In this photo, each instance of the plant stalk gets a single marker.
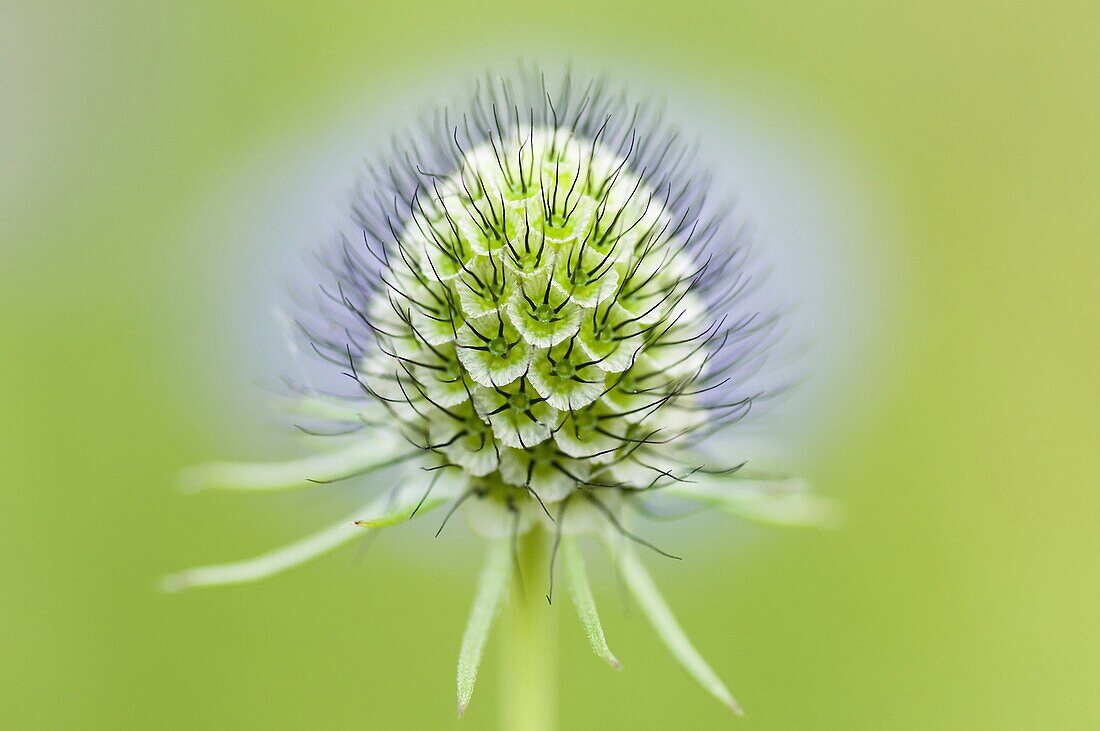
(529, 683)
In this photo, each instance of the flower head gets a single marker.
(542, 319)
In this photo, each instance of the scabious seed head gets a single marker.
(545, 302)
(540, 311)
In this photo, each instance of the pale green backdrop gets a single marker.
(963, 592)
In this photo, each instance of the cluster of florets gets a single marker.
(535, 315)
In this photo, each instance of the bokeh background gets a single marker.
(140, 144)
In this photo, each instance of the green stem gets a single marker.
(528, 685)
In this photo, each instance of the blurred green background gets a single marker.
(963, 592)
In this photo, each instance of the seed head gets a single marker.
(544, 315)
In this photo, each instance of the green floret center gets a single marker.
(585, 419)
(544, 313)
(528, 262)
(544, 454)
(519, 401)
(564, 369)
(499, 347)
(475, 432)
